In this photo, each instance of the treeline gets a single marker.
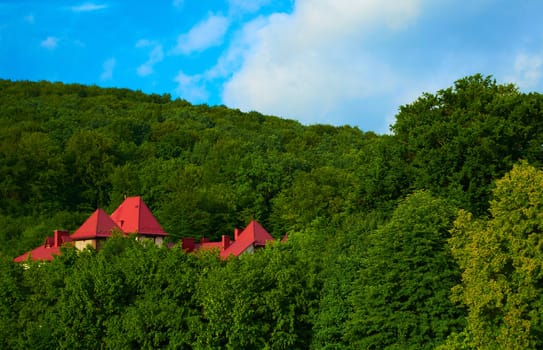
(428, 237)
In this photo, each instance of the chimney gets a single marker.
(236, 234)
(225, 242)
(49, 242)
(58, 237)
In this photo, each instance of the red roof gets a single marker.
(40, 253)
(99, 224)
(208, 246)
(133, 216)
(253, 235)
(47, 251)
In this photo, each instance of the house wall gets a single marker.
(80, 245)
(95, 243)
(250, 249)
(98, 243)
(158, 240)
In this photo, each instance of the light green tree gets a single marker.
(502, 262)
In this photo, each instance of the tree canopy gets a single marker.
(428, 237)
(502, 264)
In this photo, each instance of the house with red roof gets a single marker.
(133, 217)
(253, 237)
(49, 249)
(94, 231)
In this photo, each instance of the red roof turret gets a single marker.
(253, 235)
(133, 216)
(99, 224)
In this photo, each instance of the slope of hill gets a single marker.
(371, 222)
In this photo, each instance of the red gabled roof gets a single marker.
(40, 253)
(254, 234)
(133, 216)
(99, 224)
(208, 246)
(47, 251)
(189, 244)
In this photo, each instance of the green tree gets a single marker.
(323, 193)
(256, 301)
(336, 251)
(461, 139)
(401, 296)
(32, 170)
(12, 299)
(42, 285)
(160, 312)
(90, 163)
(382, 175)
(502, 264)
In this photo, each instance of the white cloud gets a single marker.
(30, 18)
(144, 43)
(191, 87)
(88, 7)
(155, 56)
(528, 69)
(312, 64)
(49, 43)
(203, 35)
(247, 6)
(108, 67)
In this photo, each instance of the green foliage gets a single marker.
(401, 295)
(502, 264)
(462, 138)
(127, 295)
(259, 301)
(88, 155)
(336, 252)
(12, 298)
(366, 265)
(383, 175)
(202, 169)
(324, 192)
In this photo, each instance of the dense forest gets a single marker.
(430, 237)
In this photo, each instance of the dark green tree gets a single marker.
(259, 300)
(401, 296)
(461, 139)
(336, 252)
(90, 163)
(12, 299)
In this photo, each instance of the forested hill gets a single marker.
(393, 239)
(69, 149)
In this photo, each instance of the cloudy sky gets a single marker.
(317, 61)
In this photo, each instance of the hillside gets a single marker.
(69, 149)
(382, 228)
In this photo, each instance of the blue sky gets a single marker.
(317, 61)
